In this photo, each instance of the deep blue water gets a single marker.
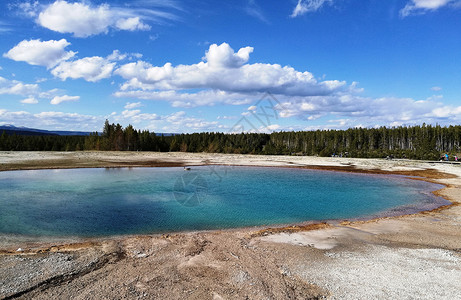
(101, 202)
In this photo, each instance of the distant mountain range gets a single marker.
(11, 129)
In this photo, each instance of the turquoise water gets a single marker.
(102, 202)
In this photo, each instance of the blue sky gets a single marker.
(193, 66)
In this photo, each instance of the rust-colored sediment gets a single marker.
(424, 173)
(74, 164)
(290, 229)
(55, 248)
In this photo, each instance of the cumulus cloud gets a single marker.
(30, 100)
(82, 19)
(223, 56)
(59, 99)
(423, 6)
(52, 54)
(225, 76)
(131, 24)
(14, 87)
(223, 70)
(305, 6)
(89, 68)
(35, 52)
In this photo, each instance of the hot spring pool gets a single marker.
(115, 201)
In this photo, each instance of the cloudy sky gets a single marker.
(207, 65)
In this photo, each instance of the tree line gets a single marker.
(415, 142)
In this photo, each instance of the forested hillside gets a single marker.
(417, 142)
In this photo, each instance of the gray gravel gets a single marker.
(20, 273)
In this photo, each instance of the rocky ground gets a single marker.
(408, 257)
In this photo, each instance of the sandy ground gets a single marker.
(407, 257)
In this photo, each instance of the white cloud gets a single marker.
(202, 98)
(423, 6)
(135, 116)
(28, 8)
(226, 117)
(30, 100)
(273, 127)
(223, 56)
(130, 113)
(83, 19)
(175, 122)
(117, 55)
(36, 52)
(89, 68)
(31, 91)
(59, 99)
(52, 55)
(436, 88)
(10, 116)
(50, 93)
(92, 68)
(52, 120)
(447, 112)
(14, 87)
(131, 105)
(77, 18)
(369, 111)
(305, 6)
(131, 24)
(179, 121)
(225, 71)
